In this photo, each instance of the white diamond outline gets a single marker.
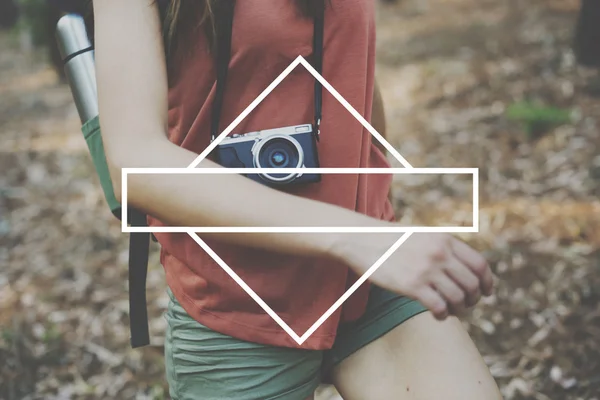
(192, 231)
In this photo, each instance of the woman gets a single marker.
(394, 338)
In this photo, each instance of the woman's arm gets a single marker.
(438, 270)
(132, 89)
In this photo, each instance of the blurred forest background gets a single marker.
(492, 84)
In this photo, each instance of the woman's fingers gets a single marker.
(476, 263)
(433, 301)
(465, 279)
(453, 295)
(445, 275)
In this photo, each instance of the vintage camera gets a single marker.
(288, 147)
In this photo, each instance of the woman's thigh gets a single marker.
(204, 364)
(421, 359)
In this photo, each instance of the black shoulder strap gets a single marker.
(224, 13)
(139, 247)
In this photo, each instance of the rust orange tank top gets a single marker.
(267, 37)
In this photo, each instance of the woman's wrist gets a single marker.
(345, 247)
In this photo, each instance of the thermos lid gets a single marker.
(72, 35)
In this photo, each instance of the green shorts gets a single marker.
(203, 364)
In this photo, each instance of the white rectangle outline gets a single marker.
(237, 229)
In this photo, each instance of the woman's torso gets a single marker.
(267, 37)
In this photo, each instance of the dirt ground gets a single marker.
(453, 72)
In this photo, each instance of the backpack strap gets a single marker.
(139, 248)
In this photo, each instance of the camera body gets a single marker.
(287, 147)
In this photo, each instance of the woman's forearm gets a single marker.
(229, 200)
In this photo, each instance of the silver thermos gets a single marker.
(78, 57)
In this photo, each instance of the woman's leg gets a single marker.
(421, 358)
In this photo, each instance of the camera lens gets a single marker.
(279, 152)
(278, 158)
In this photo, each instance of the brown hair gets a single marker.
(182, 17)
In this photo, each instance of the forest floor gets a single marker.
(480, 84)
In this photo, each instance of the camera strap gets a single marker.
(224, 34)
(224, 12)
(319, 28)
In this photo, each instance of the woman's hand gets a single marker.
(438, 270)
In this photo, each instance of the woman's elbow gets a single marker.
(120, 156)
(116, 161)
(114, 170)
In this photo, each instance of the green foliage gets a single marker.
(51, 334)
(157, 392)
(7, 335)
(537, 119)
